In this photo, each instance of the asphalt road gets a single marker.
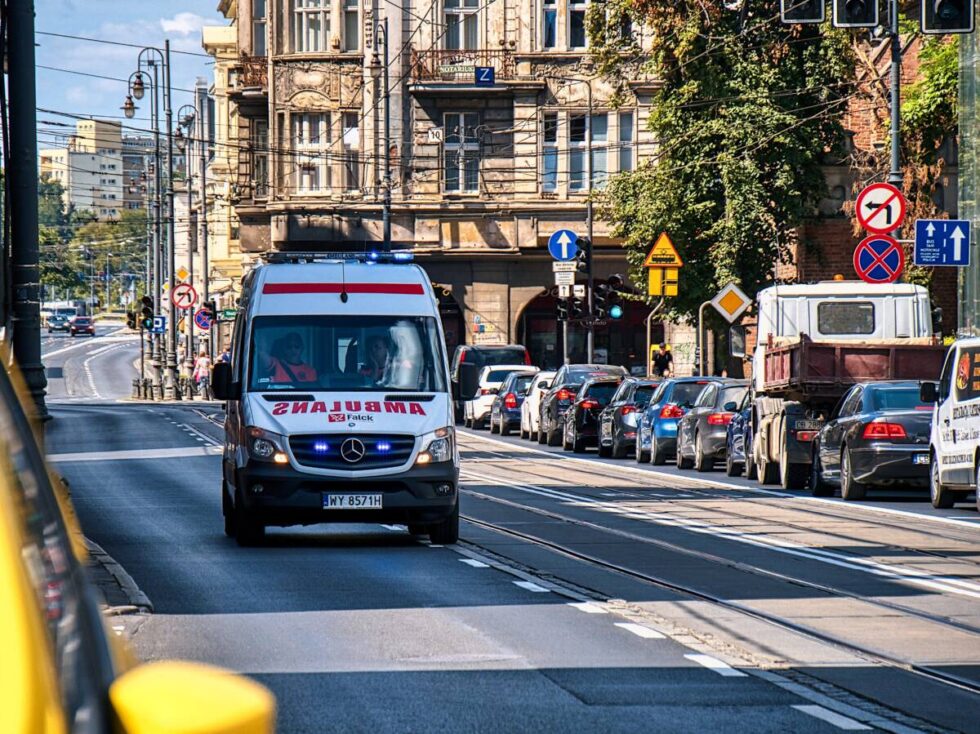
(586, 595)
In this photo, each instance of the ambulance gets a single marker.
(338, 403)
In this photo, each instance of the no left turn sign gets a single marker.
(184, 296)
(880, 208)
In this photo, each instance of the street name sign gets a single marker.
(880, 208)
(562, 245)
(229, 313)
(879, 259)
(564, 266)
(663, 265)
(731, 302)
(942, 242)
(203, 319)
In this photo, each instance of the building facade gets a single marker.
(90, 168)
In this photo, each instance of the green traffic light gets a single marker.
(616, 312)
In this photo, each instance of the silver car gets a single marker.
(702, 433)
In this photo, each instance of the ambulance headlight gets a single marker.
(266, 446)
(437, 446)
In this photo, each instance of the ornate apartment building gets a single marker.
(483, 165)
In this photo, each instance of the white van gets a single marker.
(338, 400)
(955, 439)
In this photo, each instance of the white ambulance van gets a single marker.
(955, 439)
(338, 399)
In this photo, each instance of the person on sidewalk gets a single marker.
(202, 374)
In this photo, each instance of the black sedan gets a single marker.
(582, 419)
(570, 377)
(702, 434)
(505, 411)
(878, 435)
(617, 423)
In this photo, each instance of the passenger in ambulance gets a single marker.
(377, 358)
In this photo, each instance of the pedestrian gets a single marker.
(225, 356)
(202, 374)
(663, 362)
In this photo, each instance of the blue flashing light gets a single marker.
(383, 447)
(321, 447)
(616, 312)
(403, 256)
(373, 256)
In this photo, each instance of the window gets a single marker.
(352, 26)
(311, 25)
(549, 24)
(311, 141)
(461, 153)
(461, 24)
(258, 28)
(577, 132)
(599, 166)
(550, 152)
(260, 158)
(625, 141)
(856, 317)
(576, 24)
(352, 145)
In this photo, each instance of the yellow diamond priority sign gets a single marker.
(731, 302)
(182, 273)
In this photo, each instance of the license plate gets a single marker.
(352, 502)
(920, 459)
(807, 425)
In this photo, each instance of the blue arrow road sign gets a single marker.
(159, 325)
(941, 242)
(562, 245)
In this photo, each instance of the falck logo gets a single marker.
(352, 450)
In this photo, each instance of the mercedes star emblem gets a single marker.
(352, 450)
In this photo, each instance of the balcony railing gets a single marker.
(252, 73)
(438, 65)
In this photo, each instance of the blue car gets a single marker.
(739, 459)
(656, 435)
(505, 411)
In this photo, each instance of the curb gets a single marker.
(134, 595)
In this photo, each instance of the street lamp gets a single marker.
(380, 67)
(129, 107)
(137, 85)
(185, 118)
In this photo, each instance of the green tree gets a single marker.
(62, 271)
(120, 243)
(748, 112)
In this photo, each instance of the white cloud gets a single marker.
(183, 24)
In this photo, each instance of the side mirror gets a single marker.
(186, 698)
(222, 384)
(731, 407)
(928, 392)
(543, 385)
(937, 320)
(469, 380)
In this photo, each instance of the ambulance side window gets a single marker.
(947, 375)
(238, 339)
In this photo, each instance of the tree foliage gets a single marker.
(748, 112)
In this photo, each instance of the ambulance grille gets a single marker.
(326, 450)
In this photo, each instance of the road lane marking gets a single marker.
(640, 631)
(390, 527)
(587, 607)
(716, 665)
(890, 571)
(531, 586)
(654, 473)
(140, 454)
(88, 343)
(832, 718)
(474, 563)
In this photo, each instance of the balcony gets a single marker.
(458, 67)
(250, 77)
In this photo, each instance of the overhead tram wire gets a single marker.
(119, 43)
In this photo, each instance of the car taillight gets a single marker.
(564, 394)
(510, 400)
(671, 411)
(884, 430)
(527, 357)
(806, 435)
(589, 403)
(627, 409)
(720, 419)
(488, 391)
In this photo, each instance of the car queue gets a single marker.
(889, 434)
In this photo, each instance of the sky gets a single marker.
(139, 22)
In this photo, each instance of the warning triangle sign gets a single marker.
(663, 254)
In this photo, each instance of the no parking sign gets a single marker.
(879, 259)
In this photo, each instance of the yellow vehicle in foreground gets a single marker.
(61, 670)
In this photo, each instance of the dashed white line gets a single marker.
(531, 586)
(715, 665)
(474, 563)
(640, 631)
(392, 527)
(587, 607)
(832, 718)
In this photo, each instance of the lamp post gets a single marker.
(379, 67)
(107, 256)
(185, 119)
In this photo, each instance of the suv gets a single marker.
(562, 392)
(484, 355)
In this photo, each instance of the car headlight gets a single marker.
(266, 446)
(437, 446)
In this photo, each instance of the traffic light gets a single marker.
(801, 11)
(947, 16)
(577, 308)
(600, 297)
(855, 13)
(562, 309)
(210, 309)
(131, 319)
(614, 299)
(147, 312)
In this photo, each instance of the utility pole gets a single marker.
(895, 175)
(590, 334)
(205, 262)
(24, 270)
(379, 66)
(170, 391)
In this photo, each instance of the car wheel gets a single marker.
(553, 437)
(768, 472)
(566, 442)
(702, 462)
(605, 451)
(578, 444)
(818, 487)
(479, 425)
(446, 532)
(617, 450)
(494, 425)
(658, 454)
(850, 488)
(681, 461)
(521, 432)
(639, 454)
(732, 468)
(751, 472)
(227, 510)
(941, 498)
(502, 427)
(249, 530)
(793, 476)
(541, 437)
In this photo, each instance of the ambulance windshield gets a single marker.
(365, 353)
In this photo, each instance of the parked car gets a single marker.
(477, 411)
(703, 432)
(531, 407)
(738, 460)
(617, 424)
(561, 394)
(484, 355)
(58, 322)
(81, 325)
(656, 435)
(64, 669)
(581, 424)
(878, 435)
(505, 411)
